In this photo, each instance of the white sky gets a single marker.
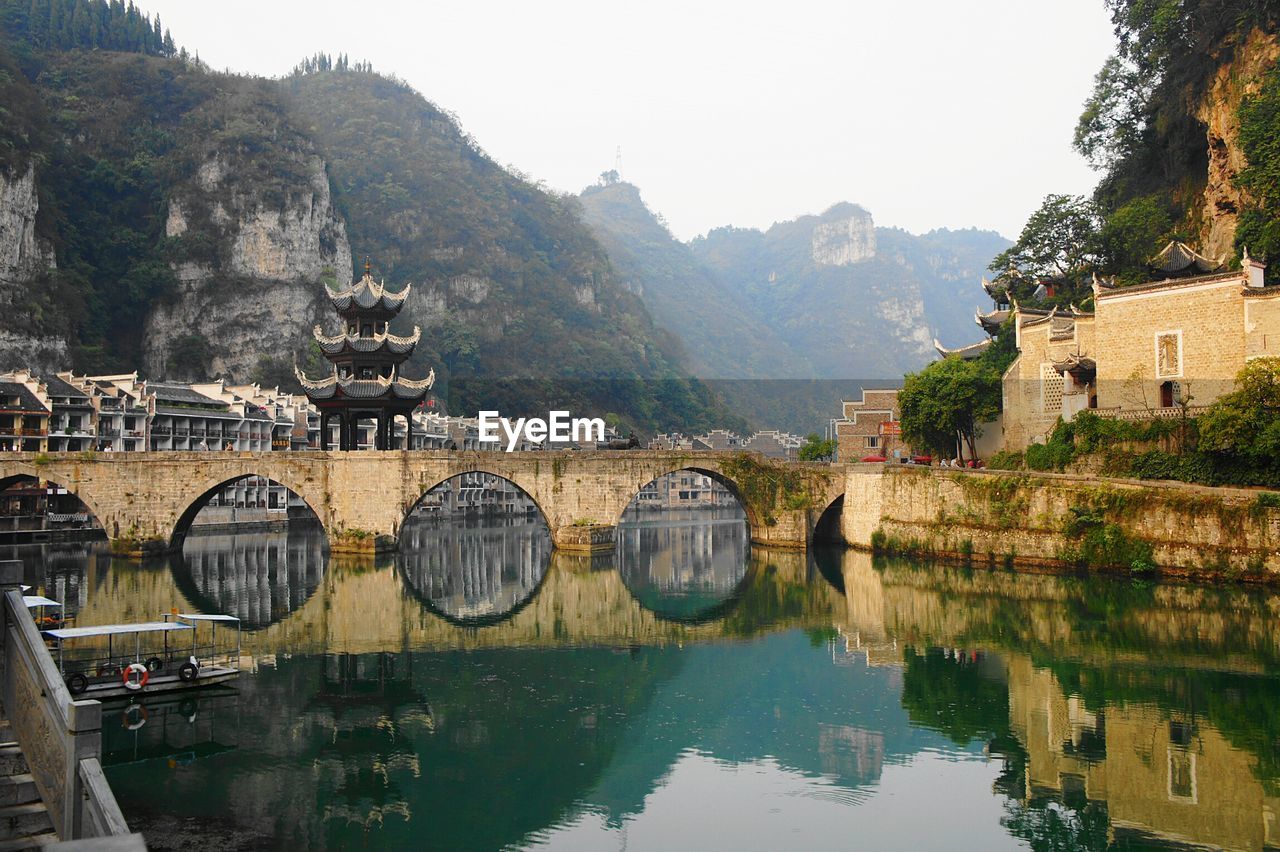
(929, 113)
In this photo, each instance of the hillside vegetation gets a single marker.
(188, 222)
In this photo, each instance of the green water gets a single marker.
(478, 691)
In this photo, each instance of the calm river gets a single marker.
(478, 691)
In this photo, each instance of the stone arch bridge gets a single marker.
(146, 501)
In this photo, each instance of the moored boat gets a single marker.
(111, 661)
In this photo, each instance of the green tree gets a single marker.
(1259, 224)
(948, 401)
(1245, 424)
(1059, 241)
(816, 448)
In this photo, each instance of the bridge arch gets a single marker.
(528, 489)
(195, 499)
(11, 473)
(754, 521)
(828, 528)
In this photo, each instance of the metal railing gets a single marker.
(61, 739)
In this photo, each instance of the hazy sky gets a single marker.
(929, 113)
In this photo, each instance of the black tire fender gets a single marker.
(188, 671)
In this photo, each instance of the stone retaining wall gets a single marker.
(1020, 518)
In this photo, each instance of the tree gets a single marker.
(815, 448)
(1245, 424)
(1060, 240)
(944, 404)
(1115, 116)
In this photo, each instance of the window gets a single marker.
(1051, 385)
(873, 442)
(1168, 346)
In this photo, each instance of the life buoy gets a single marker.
(132, 721)
(135, 676)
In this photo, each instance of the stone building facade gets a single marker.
(1150, 350)
(870, 427)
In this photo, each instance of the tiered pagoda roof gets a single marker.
(390, 387)
(368, 296)
(991, 321)
(396, 348)
(366, 358)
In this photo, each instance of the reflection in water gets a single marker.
(259, 577)
(684, 563)
(1015, 710)
(474, 570)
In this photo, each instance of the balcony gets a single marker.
(37, 432)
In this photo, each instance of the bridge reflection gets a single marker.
(684, 564)
(259, 577)
(474, 571)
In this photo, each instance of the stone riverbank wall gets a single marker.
(1008, 518)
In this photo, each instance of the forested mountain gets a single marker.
(159, 216)
(820, 297)
(723, 338)
(786, 322)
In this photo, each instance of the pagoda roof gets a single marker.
(1075, 361)
(991, 320)
(368, 295)
(381, 388)
(385, 343)
(1178, 257)
(968, 353)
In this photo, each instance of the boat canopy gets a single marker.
(199, 616)
(38, 600)
(117, 629)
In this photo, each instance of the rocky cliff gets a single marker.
(25, 258)
(264, 285)
(858, 302)
(1219, 111)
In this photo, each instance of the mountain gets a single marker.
(787, 322)
(159, 216)
(859, 302)
(723, 339)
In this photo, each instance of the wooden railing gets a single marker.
(61, 739)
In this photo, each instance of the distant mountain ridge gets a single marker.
(827, 296)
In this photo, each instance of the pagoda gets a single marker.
(366, 383)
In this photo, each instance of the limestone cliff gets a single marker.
(1219, 112)
(856, 301)
(843, 241)
(24, 259)
(257, 295)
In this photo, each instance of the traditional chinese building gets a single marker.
(1161, 348)
(366, 358)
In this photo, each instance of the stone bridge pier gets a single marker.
(146, 501)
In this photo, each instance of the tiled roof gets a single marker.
(27, 401)
(57, 387)
(182, 395)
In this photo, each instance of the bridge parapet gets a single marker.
(146, 501)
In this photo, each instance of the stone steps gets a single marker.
(24, 819)
(18, 790)
(23, 822)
